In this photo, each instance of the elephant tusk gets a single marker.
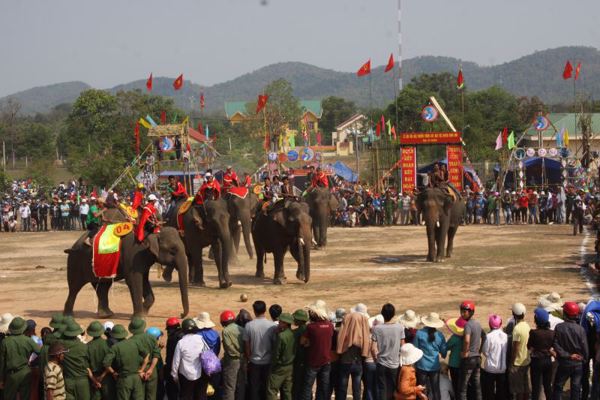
(437, 223)
(239, 223)
(302, 241)
(314, 242)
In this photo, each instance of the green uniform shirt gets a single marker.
(300, 358)
(233, 342)
(48, 340)
(285, 349)
(97, 350)
(76, 359)
(147, 345)
(14, 354)
(125, 357)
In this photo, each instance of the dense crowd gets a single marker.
(310, 350)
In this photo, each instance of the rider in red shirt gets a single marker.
(149, 220)
(176, 189)
(138, 197)
(210, 189)
(247, 180)
(230, 179)
(319, 179)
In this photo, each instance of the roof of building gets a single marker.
(568, 121)
(350, 121)
(235, 107)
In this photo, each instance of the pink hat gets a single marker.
(495, 321)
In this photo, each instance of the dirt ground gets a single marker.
(495, 266)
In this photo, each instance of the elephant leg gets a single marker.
(102, 289)
(147, 293)
(136, 284)
(441, 234)
(451, 232)
(431, 240)
(235, 234)
(279, 278)
(317, 235)
(222, 266)
(74, 288)
(260, 259)
(196, 275)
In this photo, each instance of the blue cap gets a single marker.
(154, 332)
(541, 316)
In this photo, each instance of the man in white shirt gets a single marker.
(84, 209)
(25, 213)
(493, 376)
(187, 368)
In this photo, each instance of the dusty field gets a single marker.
(495, 266)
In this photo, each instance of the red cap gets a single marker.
(173, 321)
(227, 316)
(571, 309)
(468, 305)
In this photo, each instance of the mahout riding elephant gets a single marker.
(199, 232)
(442, 214)
(321, 203)
(241, 210)
(282, 228)
(165, 247)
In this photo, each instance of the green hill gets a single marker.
(43, 98)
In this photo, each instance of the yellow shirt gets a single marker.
(521, 335)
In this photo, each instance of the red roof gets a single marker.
(197, 136)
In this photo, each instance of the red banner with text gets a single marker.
(454, 155)
(408, 157)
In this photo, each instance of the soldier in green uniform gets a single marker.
(97, 349)
(15, 351)
(126, 363)
(57, 325)
(282, 362)
(300, 320)
(76, 366)
(149, 346)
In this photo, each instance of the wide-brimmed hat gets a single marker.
(456, 326)
(409, 354)
(203, 321)
(432, 321)
(5, 321)
(287, 318)
(17, 326)
(550, 302)
(118, 332)
(409, 319)
(72, 329)
(57, 320)
(95, 329)
(300, 315)
(136, 326)
(319, 308)
(376, 320)
(360, 308)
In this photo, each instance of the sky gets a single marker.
(109, 42)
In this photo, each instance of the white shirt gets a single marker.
(494, 350)
(84, 209)
(186, 359)
(25, 211)
(554, 321)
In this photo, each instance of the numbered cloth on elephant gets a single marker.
(107, 249)
(185, 207)
(239, 191)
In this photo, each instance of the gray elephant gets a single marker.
(322, 204)
(135, 261)
(282, 228)
(241, 211)
(198, 233)
(442, 214)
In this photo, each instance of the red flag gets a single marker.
(267, 144)
(178, 83)
(149, 83)
(201, 101)
(136, 132)
(394, 131)
(382, 122)
(390, 64)
(568, 72)
(577, 70)
(378, 130)
(262, 102)
(460, 80)
(505, 136)
(200, 127)
(163, 117)
(365, 69)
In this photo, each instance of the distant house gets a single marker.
(569, 122)
(237, 112)
(343, 138)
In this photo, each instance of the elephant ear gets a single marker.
(448, 202)
(152, 243)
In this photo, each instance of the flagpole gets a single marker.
(396, 95)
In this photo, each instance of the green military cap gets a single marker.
(95, 329)
(287, 318)
(188, 325)
(300, 315)
(67, 319)
(118, 332)
(17, 326)
(57, 319)
(137, 326)
(72, 329)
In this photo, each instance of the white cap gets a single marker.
(543, 193)
(535, 192)
(152, 197)
(109, 325)
(207, 175)
(518, 309)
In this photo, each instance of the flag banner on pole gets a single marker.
(577, 70)
(460, 80)
(150, 120)
(408, 163)
(144, 123)
(559, 137)
(207, 131)
(511, 140)
(365, 69)
(568, 71)
(389, 127)
(378, 130)
(499, 142)
(454, 155)
(163, 117)
(565, 138)
(201, 101)
(261, 102)
(394, 131)
(504, 136)
(390, 64)
(149, 83)
(200, 128)
(178, 83)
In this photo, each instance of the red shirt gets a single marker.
(179, 191)
(213, 185)
(138, 199)
(248, 181)
(320, 179)
(229, 179)
(148, 214)
(523, 201)
(319, 335)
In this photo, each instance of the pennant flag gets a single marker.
(144, 123)
(262, 102)
(174, 120)
(394, 131)
(163, 117)
(178, 83)
(150, 120)
(568, 72)
(504, 135)
(207, 132)
(559, 137)
(136, 133)
(565, 138)
(390, 64)
(511, 140)
(460, 80)
(201, 101)
(185, 121)
(499, 142)
(389, 128)
(577, 70)
(200, 128)
(149, 83)
(378, 130)
(365, 69)
(382, 122)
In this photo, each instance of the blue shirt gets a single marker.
(431, 350)
(212, 339)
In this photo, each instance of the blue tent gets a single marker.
(342, 170)
(533, 172)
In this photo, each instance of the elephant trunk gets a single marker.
(182, 268)
(246, 227)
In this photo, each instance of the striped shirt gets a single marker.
(53, 380)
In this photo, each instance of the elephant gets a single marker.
(442, 215)
(202, 232)
(282, 228)
(165, 247)
(321, 203)
(241, 212)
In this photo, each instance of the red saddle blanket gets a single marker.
(239, 191)
(106, 249)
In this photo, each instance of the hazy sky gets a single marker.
(107, 42)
